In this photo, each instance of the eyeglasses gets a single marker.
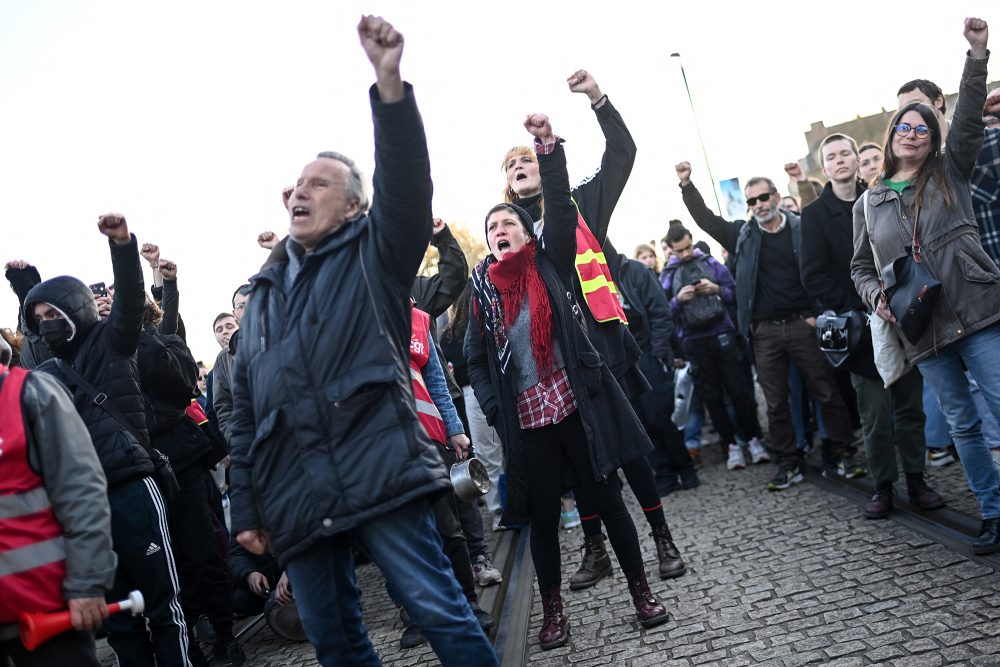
(903, 129)
(240, 306)
(760, 198)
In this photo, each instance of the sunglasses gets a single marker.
(903, 129)
(760, 198)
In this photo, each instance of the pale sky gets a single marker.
(189, 117)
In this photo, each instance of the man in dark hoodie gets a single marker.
(64, 313)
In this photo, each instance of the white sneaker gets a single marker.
(757, 452)
(736, 459)
(484, 571)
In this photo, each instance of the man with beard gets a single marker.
(775, 311)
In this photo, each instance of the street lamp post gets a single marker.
(697, 127)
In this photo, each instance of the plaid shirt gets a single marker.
(985, 187)
(548, 402)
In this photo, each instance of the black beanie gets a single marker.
(526, 221)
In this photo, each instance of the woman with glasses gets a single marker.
(562, 416)
(920, 205)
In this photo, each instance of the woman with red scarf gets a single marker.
(559, 410)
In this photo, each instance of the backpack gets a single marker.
(704, 310)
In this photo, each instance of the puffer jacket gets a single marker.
(324, 432)
(106, 357)
(614, 433)
(970, 296)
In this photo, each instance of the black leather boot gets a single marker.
(671, 563)
(989, 538)
(921, 494)
(596, 564)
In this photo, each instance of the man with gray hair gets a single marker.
(326, 445)
(775, 312)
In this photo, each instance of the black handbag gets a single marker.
(911, 289)
(163, 472)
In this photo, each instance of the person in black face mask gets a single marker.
(64, 313)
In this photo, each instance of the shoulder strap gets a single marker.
(100, 399)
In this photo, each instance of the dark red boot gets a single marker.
(555, 629)
(649, 611)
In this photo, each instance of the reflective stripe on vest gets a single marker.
(32, 550)
(599, 290)
(420, 342)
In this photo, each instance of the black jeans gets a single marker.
(547, 450)
(655, 409)
(720, 370)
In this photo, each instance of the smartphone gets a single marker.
(99, 289)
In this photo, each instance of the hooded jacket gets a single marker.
(104, 353)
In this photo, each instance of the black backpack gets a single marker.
(704, 310)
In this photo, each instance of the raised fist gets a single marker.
(683, 172)
(977, 33)
(538, 125)
(267, 240)
(167, 269)
(382, 43)
(794, 171)
(581, 81)
(992, 106)
(16, 264)
(151, 253)
(113, 226)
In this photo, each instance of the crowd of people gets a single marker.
(347, 386)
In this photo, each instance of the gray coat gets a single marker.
(970, 295)
(61, 451)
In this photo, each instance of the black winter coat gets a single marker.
(435, 294)
(648, 310)
(106, 357)
(324, 433)
(614, 433)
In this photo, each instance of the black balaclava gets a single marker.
(58, 335)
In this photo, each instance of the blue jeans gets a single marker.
(936, 430)
(405, 545)
(991, 427)
(796, 388)
(695, 422)
(946, 377)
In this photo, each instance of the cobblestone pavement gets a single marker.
(790, 578)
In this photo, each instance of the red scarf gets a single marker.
(514, 276)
